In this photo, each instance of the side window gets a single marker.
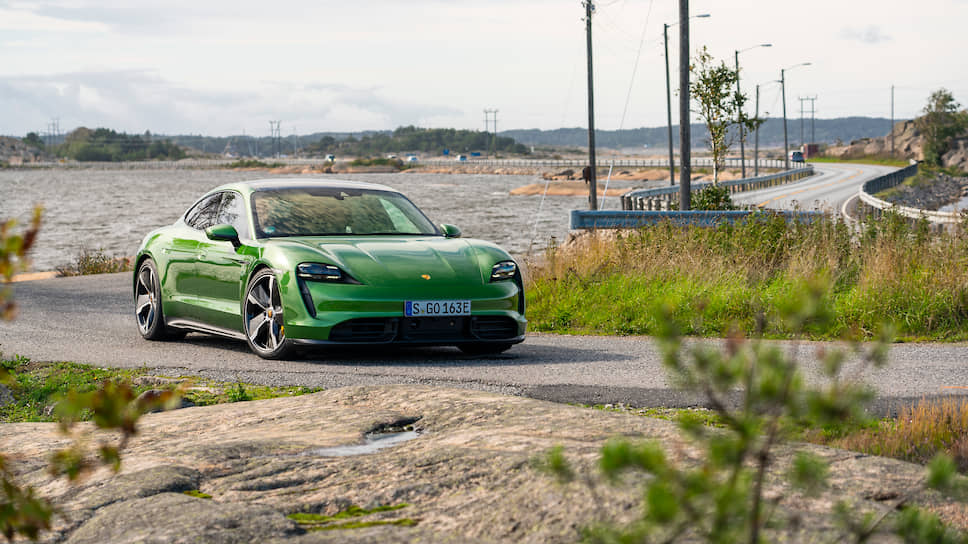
(233, 213)
(203, 214)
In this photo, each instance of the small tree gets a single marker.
(940, 123)
(34, 140)
(720, 106)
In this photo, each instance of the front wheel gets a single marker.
(265, 329)
(147, 304)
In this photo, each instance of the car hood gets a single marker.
(388, 260)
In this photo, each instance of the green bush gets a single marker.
(95, 261)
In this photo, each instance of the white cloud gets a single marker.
(870, 34)
(134, 101)
(23, 20)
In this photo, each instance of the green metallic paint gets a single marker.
(204, 279)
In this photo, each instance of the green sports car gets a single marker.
(284, 263)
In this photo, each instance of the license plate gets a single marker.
(417, 308)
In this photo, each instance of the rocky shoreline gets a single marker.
(266, 471)
(928, 193)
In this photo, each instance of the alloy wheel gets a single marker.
(263, 314)
(147, 299)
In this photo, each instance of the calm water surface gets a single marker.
(114, 209)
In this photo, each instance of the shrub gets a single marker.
(95, 262)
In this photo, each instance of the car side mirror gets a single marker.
(225, 233)
(450, 231)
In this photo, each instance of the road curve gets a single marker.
(828, 190)
(90, 320)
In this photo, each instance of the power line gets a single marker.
(491, 115)
(276, 136)
(811, 99)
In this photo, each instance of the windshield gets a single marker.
(336, 212)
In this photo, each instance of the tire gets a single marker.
(262, 317)
(147, 304)
(484, 349)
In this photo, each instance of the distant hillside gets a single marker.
(844, 129)
(830, 131)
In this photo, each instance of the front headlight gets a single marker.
(503, 270)
(319, 272)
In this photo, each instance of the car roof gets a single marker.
(299, 183)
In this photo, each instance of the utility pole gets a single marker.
(495, 134)
(801, 98)
(276, 137)
(490, 116)
(892, 120)
(685, 151)
(739, 111)
(813, 119)
(672, 163)
(592, 180)
(813, 135)
(756, 136)
(786, 142)
(487, 125)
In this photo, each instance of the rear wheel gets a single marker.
(147, 304)
(265, 329)
(484, 349)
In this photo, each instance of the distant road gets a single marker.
(832, 187)
(90, 319)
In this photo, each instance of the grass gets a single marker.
(197, 494)
(877, 160)
(322, 522)
(253, 163)
(38, 386)
(395, 163)
(739, 277)
(95, 261)
(917, 434)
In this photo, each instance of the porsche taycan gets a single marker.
(284, 263)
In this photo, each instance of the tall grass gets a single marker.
(95, 261)
(740, 276)
(918, 434)
(884, 160)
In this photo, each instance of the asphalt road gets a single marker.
(833, 186)
(90, 320)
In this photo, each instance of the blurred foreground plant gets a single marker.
(13, 257)
(756, 389)
(113, 407)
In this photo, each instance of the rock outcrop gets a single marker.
(468, 476)
(931, 194)
(907, 145)
(14, 152)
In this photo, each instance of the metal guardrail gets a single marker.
(661, 198)
(876, 206)
(630, 219)
(656, 163)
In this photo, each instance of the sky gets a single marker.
(219, 67)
